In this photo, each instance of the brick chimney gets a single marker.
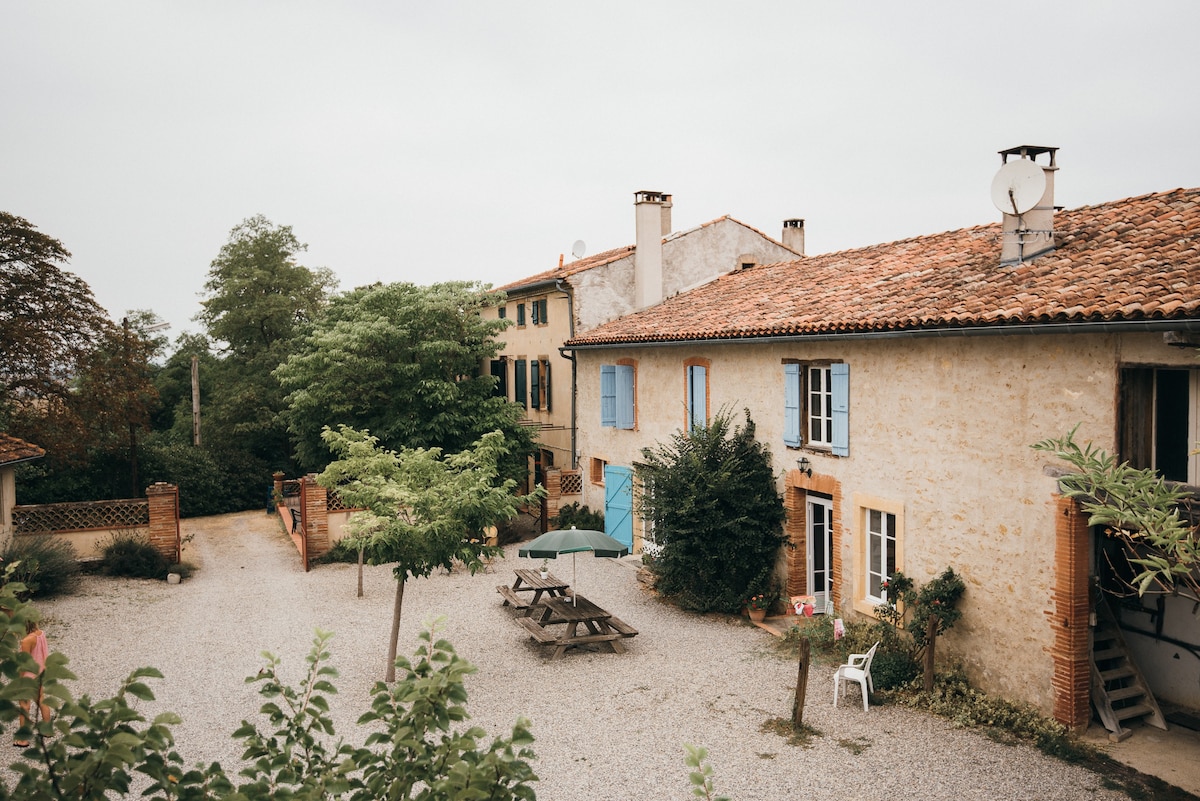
(652, 212)
(1028, 228)
(793, 235)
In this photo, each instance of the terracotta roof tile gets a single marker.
(1133, 259)
(17, 450)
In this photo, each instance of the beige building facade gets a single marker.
(900, 388)
(548, 308)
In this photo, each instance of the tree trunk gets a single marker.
(390, 675)
(930, 638)
(360, 572)
(801, 686)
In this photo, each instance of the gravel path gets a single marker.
(608, 726)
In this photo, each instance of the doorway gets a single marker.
(819, 533)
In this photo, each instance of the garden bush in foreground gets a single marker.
(417, 748)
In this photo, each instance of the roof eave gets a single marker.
(1190, 325)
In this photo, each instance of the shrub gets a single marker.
(717, 515)
(342, 552)
(893, 669)
(128, 556)
(580, 517)
(45, 565)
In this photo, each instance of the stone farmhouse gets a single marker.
(899, 388)
(548, 308)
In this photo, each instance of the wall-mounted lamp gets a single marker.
(805, 466)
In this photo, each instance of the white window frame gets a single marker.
(818, 406)
(872, 515)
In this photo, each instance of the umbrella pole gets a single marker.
(574, 583)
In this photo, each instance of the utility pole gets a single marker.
(195, 400)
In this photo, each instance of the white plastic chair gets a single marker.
(857, 669)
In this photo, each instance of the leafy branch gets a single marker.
(1138, 508)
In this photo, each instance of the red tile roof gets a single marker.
(1129, 260)
(609, 256)
(17, 450)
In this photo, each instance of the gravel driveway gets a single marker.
(608, 726)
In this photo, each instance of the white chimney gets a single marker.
(793, 235)
(1023, 190)
(652, 212)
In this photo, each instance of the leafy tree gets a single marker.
(117, 395)
(421, 510)
(403, 362)
(1158, 547)
(48, 324)
(95, 750)
(258, 299)
(257, 293)
(717, 517)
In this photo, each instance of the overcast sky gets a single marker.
(428, 141)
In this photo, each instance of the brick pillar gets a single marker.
(164, 520)
(277, 492)
(315, 516)
(1069, 618)
(553, 478)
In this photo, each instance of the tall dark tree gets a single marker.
(716, 514)
(258, 298)
(49, 323)
(402, 361)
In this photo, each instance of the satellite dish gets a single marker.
(578, 249)
(1018, 186)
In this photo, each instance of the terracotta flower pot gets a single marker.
(757, 615)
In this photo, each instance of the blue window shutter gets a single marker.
(520, 314)
(519, 381)
(546, 385)
(608, 395)
(535, 384)
(791, 405)
(624, 392)
(697, 396)
(839, 384)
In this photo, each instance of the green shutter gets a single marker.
(535, 384)
(519, 382)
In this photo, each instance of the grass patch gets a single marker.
(855, 745)
(802, 736)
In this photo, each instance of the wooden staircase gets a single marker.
(1119, 692)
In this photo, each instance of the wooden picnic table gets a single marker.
(598, 625)
(531, 581)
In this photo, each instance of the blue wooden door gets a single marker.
(618, 504)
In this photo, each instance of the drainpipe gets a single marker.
(563, 288)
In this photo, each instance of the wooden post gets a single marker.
(930, 638)
(801, 686)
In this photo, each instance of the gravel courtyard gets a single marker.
(608, 726)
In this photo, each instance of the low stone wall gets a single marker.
(90, 525)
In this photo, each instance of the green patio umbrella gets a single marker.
(573, 540)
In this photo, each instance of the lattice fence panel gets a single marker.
(291, 488)
(83, 516)
(572, 483)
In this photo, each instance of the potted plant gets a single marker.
(545, 569)
(757, 606)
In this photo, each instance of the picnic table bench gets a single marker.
(598, 625)
(530, 581)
